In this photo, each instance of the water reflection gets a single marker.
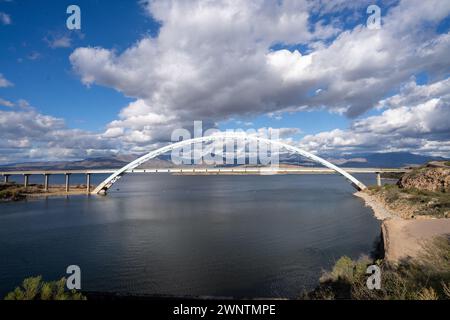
(254, 236)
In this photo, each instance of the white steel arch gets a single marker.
(107, 183)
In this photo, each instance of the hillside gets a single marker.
(112, 162)
(423, 192)
(368, 160)
(433, 177)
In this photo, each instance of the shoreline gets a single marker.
(379, 210)
(17, 193)
(56, 194)
(404, 239)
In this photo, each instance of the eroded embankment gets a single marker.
(404, 238)
(13, 192)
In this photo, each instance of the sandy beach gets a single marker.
(404, 238)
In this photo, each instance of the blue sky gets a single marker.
(43, 75)
(137, 70)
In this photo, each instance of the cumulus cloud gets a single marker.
(418, 120)
(218, 60)
(215, 60)
(28, 134)
(411, 93)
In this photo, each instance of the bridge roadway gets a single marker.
(307, 170)
(230, 170)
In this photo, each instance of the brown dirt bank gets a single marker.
(405, 239)
(433, 177)
(405, 233)
(13, 192)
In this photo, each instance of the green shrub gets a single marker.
(422, 202)
(391, 194)
(427, 278)
(11, 192)
(35, 289)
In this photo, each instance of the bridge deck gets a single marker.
(262, 170)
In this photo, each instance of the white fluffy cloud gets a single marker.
(213, 60)
(217, 60)
(28, 134)
(418, 120)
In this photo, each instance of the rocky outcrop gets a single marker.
(427, 178)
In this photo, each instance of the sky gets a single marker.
(137, 70)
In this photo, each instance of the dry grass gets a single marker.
(14, 192)
(417, 202)
(11, 192)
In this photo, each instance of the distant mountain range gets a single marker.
(388, 160)
(363, 160)
(370, 160)
(90, 163)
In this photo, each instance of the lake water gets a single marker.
(241, 236)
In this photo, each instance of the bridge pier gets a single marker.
(46, 178)
(378, 179)
(6, 178)
(67, 182)
(88, 183)
(26, 180)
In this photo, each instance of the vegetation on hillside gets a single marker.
(427, 278)
(14, 192)
(432, 177)
(35, 289)
(391, 175)
(409, 203)
(11, 192)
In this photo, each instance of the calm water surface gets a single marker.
(242, 236)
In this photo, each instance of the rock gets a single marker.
(431, 179)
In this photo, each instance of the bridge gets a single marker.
(88, 173)
(188, 171)
(133, 167)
